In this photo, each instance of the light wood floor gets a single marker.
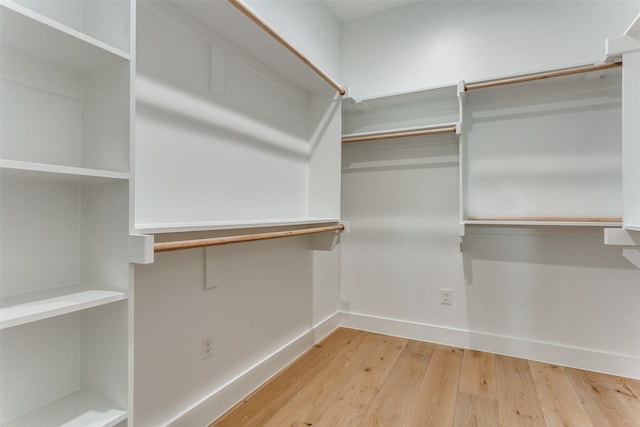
(356, 378)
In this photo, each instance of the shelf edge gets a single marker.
(60, 170)
(232, 225)
(74, 411)
(55, 306)
(64, 29)
(569, 222)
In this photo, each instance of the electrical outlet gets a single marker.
(206, 347)
(445, 296)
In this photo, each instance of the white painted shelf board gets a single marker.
(79, 409)
(558, 80)
(33, 306)
(349, 105)
(49, 171)
(407, 129)
(632, 227)
(232, 24)
(228, 225)
(551, 223)
(634, 29)
(23, 30)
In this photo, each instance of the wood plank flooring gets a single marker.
(356, 378)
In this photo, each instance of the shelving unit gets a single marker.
(507, 177)
(64, 173)
(627, 49)
(544, 152)
(232, 130)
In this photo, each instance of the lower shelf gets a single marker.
(78, 409)
(560, 221)
(20, 309)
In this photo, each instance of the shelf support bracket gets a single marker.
(629, 240)
(141, 248)
(633, 255)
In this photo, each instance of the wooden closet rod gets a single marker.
(238, 4)
(400, 134)
(542, 76)
(216, 241)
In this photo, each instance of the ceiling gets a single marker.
(347, 10)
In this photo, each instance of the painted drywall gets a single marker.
(263, 300)
(433, 43)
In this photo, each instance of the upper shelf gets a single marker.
(351, 105)
(30, 169)
(552, 221)
(227, 225)
(23, 30)
(424, 109)
(577, 72)
(255, 37)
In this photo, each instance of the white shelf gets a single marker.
(231, 23)
(30, 169)
(398, 130)
(78, 409)
(550, 223)
(24, 30)
(354, 105)
(227, 225)
(24, 308)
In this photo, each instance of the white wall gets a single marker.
(550, 293)
(308, 26)
(265, 300)
(433, 43)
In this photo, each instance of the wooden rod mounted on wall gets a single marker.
(216, 241)
(542, 76)
(399, 134)
(262, 24)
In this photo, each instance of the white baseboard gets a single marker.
(575, 357)
(225, 397)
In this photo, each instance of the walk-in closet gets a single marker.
(197, 194)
